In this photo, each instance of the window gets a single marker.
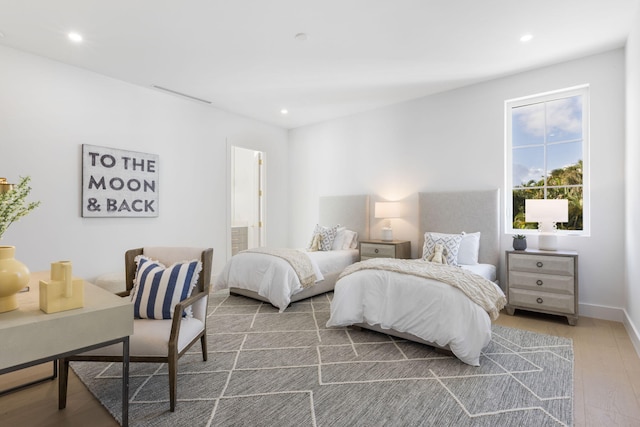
(547, 146)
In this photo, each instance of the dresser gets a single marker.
(385, 249)
(543, 281)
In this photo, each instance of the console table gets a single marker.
(30, 337)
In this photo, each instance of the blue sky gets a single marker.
(559, 122)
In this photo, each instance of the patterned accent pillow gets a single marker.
(327, 235)
(451, 243)
(157, 289)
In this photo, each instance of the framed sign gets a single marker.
(119, 183)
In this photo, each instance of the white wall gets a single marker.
(632, 220)
(455, 141)
(48, 110)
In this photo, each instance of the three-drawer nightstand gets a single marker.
(543, 281)
(385, 249)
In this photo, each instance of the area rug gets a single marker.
(287, 369)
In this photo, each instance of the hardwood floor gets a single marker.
(606, 381)
(606, 367)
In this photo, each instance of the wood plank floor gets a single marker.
(607, 380)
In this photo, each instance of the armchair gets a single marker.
(162, 340)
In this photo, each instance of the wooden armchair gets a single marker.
(166, 340)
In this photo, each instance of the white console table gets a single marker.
(29, 337)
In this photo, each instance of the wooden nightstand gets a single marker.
(385, 249)
(543, 281)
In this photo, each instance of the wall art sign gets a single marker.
(119, 183)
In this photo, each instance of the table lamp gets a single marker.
(546, 212)
(388, 210)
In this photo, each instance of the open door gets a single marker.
(247, 196)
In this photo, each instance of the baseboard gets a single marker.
(632, 331)
(614, 314)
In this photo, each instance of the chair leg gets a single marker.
(63, 381)
(173, 381)
(203, 343)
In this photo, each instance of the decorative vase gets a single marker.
(14, 276)
(519, 244)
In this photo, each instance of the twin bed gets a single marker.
(399, 297)
(272, 279)
(427, 310)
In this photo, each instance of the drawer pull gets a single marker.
(539, 300)
(376, 250)
(539, 282)
(539, 263)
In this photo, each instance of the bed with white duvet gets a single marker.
(422, 306)
(272, 278)
(283, 276)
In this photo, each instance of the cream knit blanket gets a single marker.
(480, 290)
(298, 260)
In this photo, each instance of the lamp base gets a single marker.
(548, 242)
(387, 234)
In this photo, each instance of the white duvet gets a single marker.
(274, 278)
(431, 310)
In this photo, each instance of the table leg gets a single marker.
(53, 376)
(125, 382)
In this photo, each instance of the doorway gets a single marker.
(247, 199)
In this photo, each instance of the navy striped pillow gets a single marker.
(158, 288)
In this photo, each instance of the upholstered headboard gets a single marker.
(469, 211)
(349, 211)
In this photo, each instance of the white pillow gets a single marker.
(469, 248)
(338, 241)
(350, 240)
(451, 242)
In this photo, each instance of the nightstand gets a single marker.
(385, 249)
(543, 281)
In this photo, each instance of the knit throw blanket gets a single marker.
(480, 290)
(298, 260)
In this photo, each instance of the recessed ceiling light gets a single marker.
(284, 111)
(75, 37)
(526, 38)
(301, 37)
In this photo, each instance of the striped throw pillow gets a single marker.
(157, 289)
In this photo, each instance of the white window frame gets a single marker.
(508, 193)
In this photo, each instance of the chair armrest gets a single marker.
(177, 314)
(186, 303)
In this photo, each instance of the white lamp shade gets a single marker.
(546, 210)
(388, 210)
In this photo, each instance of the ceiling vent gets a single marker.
(175, 92)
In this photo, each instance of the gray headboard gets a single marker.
(349, 211)
(469, 211)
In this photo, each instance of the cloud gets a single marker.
(522, 174)
(563, 116)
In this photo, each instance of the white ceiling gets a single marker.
(242, 55)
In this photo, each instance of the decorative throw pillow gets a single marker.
(327, 234)
(338, 241)
(451, 242)
(350, 240)
(157, 289)
(469, 249)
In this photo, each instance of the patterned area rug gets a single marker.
(288, 369)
